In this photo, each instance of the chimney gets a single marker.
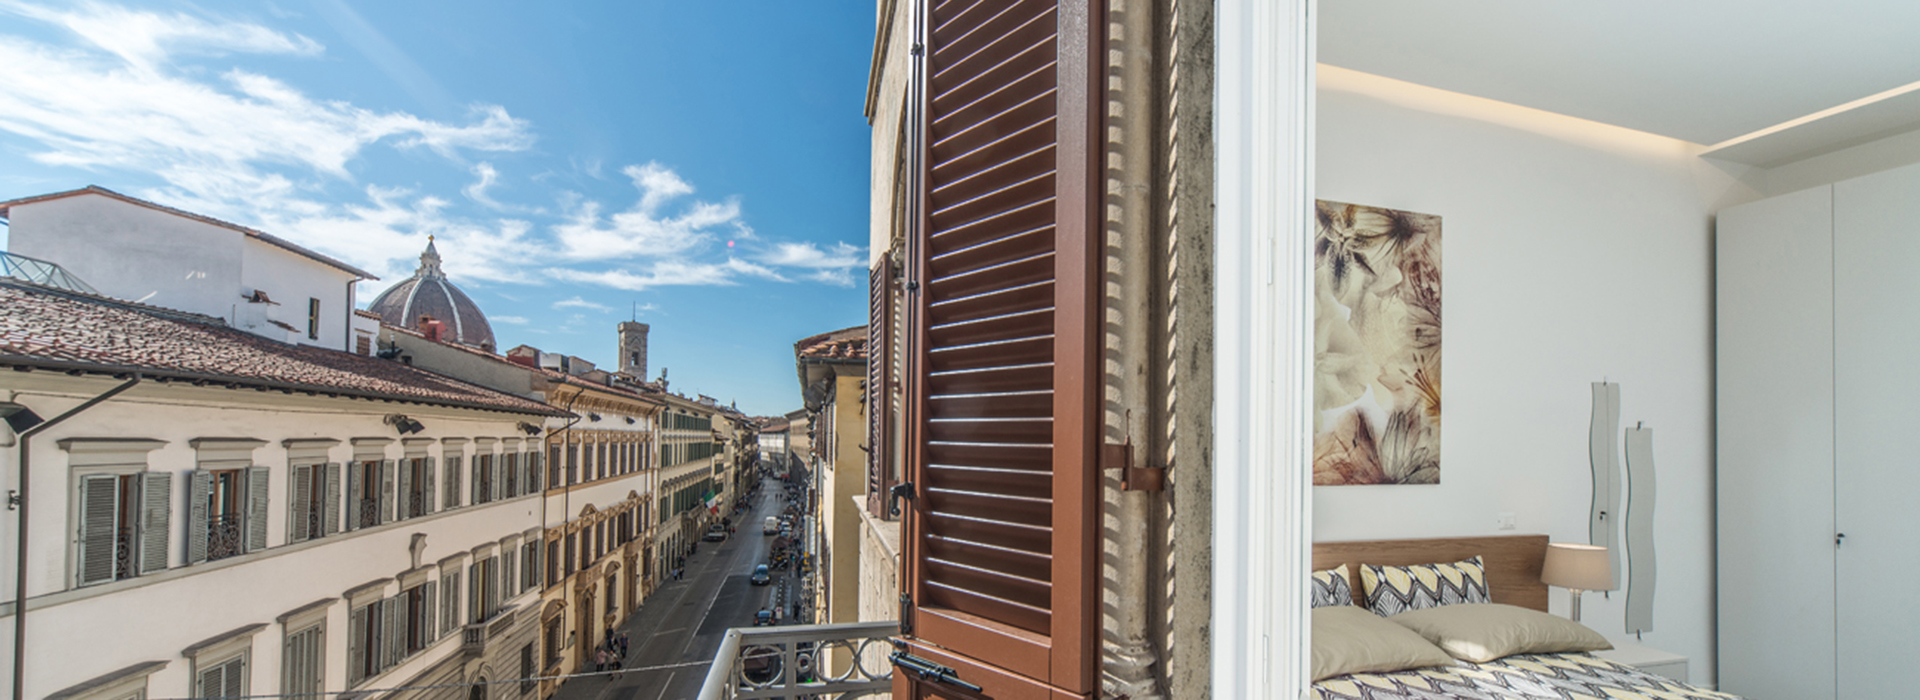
(633, 349)
(435, 331)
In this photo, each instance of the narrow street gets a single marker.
(683, 621)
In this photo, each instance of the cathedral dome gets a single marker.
(428, 294)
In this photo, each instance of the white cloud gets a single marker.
(143, 39)
(509, 320)
(666, 273)
(579, 303)
(643, 230)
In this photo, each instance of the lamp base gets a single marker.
(1575, 609)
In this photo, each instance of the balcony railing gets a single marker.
(787, 661)
(223, 536)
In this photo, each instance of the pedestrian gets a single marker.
(623, 643)
(600, 661)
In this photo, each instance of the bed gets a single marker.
(1512, 575)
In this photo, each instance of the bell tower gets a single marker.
(633, 349)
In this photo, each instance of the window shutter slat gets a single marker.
(201, 485)
(256, 515)
(99, 516)
(156, 520)
(332, 504)
(1002, 387)
(300, 504)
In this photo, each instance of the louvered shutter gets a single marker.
(427, 492)
(473, 593)
(426, 614)
(1000, 549)
(256, 515)
(506, 574)
(200, 485)
(879, 385)
(156, 520)
(99, 519)
(386, 490)
(234, 681)
(332, 505)
(356, 475)
(536, 468)
(405, 480)
(479, 466)
(453, 467)
(496, 490)
(357, 651)
(300, 505)
(391, 638)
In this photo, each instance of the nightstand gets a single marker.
(1649, 659)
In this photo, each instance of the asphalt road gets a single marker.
(683, 621)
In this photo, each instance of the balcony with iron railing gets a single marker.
(787, 661)
(223, 536)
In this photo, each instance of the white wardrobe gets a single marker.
(1818, 454)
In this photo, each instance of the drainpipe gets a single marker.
(20, 566)
(1130, 119)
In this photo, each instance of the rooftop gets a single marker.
(843, 344)
(61, 330)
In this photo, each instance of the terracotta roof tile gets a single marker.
(843, 344)
(47, 328)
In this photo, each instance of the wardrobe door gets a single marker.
(1774, 347)
(1876, 270)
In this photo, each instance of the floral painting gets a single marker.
(1376, 344)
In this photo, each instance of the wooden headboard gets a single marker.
(1513, 562)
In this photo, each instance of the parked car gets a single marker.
(717, 533)
(763, 618)
(760, 576)
(771, 526)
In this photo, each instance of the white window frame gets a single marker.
(218, 651)
(102, 457)
(1262, 498)
(129, 683)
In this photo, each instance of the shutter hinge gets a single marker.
(917, 48)
(1132, 478)
(899, 491)
(906, 615)
(929, 671)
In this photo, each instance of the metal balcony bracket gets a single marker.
(1120, 456)
(930, 671)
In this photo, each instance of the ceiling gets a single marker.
(1704, 71)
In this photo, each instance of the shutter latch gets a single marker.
(1132, 478)
(929, 671)
(899, 491)
(906, 615)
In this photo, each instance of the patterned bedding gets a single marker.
(1521, 677)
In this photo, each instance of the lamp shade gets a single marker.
(1579, 566)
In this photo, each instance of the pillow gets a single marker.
(1392, 590)
(1330, 587)
(1347, 640)
(1484, 632)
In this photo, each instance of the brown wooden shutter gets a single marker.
(1000, 543)
(880, 312)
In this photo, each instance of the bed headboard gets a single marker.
(1513, 562)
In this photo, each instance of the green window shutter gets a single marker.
(425, 613)
(156, 520)
(479, 466)
(256, 515)
(197, 493)
(332, 504)
(387, 470)
(405, 477)
(300, 504)
(427, 492)
(357, 623)
(99, 509)
(356, 475)
(453, 466)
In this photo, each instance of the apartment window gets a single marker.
(567, 569)
(417, 617)
(304, 664)
(483, 590)
(123, 525)
(450, 607)
(508, 556)
(451, 469)
(365, 657)
(370, 493)
(226, 679)
(554, 466)
(534, 469)
(511, 470)
(227, 513)
(553, 562)
(527, 684)
(313, 501)
(554, 636)
(363, 345)
(482, 479)
(573, 464)
(530, 569)
(416, 487)
(313, 319)
(602, 466)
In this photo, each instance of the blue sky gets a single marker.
(704, 162)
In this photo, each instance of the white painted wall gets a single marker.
(291, 279)
(154, 617)
(1573, 252)
(131, 252)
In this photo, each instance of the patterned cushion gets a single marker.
(1330, 588)
(1391, 590)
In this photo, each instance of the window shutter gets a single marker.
(473, 593)
(234, 680)
(386, 490)
(356, 474)
(391, 639)
(479, 465)
(300, 504)
(405, 479)
(879, 385)
(453, 465)
(156, 520)
(999, 544)
(197, 493)
(496, 489)
(332, 505)
(536, 468)
(99, 510)
(506, 573)
(357, 623)
(426, 613)
(256, 517)
(427, 492)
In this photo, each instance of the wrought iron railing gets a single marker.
(223, 536)
(416, 504)
(123, 553)
(793, 661)
(369, 513)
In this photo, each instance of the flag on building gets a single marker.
(713, 503)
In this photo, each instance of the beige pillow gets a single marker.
(1482, 632)
(1349, 639)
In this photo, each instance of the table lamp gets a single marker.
(1577, 568)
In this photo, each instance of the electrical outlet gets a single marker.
(1506, 521)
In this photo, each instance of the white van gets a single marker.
(771, 526)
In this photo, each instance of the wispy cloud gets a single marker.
(509, 320)
(579, 303)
